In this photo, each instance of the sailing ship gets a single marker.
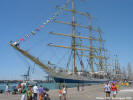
(95, 56)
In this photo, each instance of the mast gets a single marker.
(73, 35)
(91, 49)
(117, 67)
(100, 52)
(74, 46)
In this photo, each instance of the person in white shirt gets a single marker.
(7, 89)
(16, 43)
(35, 91)
(64, 92)
(107, 90)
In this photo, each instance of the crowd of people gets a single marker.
(62, 92)
(113, 87)
(29, 92)
(35, 92)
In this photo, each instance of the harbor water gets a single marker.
(50, 86)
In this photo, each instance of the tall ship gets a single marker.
(87, 60)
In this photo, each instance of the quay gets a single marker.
(93, 92)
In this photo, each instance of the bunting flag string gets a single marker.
(51, 19)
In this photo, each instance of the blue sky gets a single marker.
(19, 17)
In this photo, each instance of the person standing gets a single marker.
(35, 91)
(60, 93)
(19, 88)
(41, 93)
(64, 92)
(29, 93)
(117, 86)
(114, 89)
(23, 97)
(127, 84)
(82, 86)
(7, 89)
(107, 90)
(78, 87)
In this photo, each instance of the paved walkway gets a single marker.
(95, 92)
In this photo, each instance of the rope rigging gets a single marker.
(69, 59)
(81, 62)
(28, 65)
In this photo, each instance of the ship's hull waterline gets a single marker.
(65, 80)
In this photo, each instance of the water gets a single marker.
(12, 85)
(47, 85)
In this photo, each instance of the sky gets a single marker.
(18, 17)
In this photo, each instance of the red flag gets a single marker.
(22, 39)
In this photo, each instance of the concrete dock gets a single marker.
(95, 92)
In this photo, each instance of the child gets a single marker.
(29, 93)
(46, 96)
(60, 93)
